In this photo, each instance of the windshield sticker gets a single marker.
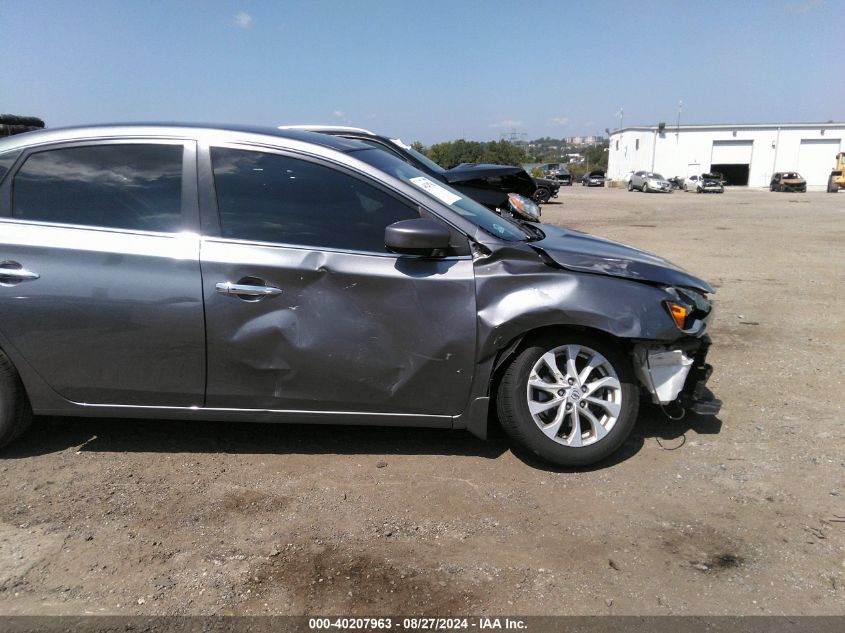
(432, 188)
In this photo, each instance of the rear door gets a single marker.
(305, 309)
(100, 288)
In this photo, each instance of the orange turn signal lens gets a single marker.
(679, 313)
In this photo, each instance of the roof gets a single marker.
(174, 129)
(730, 126)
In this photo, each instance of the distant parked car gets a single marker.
(593, 179)
(564, 178)
(788, 181)
(677, 182)
(647, 181)
(705, 183)
(557, 171)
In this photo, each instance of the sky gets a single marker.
(427, 70)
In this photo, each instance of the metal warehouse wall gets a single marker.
(806, 148)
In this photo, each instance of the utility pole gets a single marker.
(621, 115)
(680, 109)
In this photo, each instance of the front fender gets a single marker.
(517, 293)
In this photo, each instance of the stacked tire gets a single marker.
(13, 124)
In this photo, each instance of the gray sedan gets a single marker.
(647, 181)
(249, 274)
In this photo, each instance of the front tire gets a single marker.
(569, 398)
(630, 186)
(15, 412)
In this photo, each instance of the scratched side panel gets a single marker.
(517, 293)
(116, 316)
(349, 332)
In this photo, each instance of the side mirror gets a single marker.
(419, 236)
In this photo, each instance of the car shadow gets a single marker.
(652, 423)
(55, 434)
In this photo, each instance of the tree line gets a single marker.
(452, 153)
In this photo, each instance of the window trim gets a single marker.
(211, 225)
(189, 202)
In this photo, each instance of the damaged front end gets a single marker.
(676, 374)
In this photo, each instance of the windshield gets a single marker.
(469, 209)
(656, 176)
(425, 160)
(791, 175)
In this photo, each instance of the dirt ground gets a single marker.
(735, 515)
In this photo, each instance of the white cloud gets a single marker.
(559, 120)
(242, 20)
(508, 123)
(339, 114)
(806, 6)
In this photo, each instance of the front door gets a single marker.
(307, 312)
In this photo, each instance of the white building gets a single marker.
(745, 154)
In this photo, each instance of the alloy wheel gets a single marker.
(578, 405)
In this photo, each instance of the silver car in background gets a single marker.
(648, 181)
(705, 183)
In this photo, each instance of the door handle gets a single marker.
(12, 271)
(228, 288)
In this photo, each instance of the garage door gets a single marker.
(731, 152)
(732, 159)
(816, 159)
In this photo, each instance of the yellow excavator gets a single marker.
(837, 176)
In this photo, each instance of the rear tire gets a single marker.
(542, 195)
(580, 430)
(15, 412)
(832, 187)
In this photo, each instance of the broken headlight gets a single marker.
(686, 307)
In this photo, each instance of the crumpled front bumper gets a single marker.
(677, 374)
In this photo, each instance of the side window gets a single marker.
(272, 198)
(133, 186)
(637, 145)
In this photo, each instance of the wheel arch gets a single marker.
(39, 394)
(482, 408)
(523, 340)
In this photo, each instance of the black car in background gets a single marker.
(557, 171)
(564, 178)
(487, 184)
(594, 178)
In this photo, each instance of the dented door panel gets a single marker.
(347, 332)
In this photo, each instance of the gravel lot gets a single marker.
(735, 515)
